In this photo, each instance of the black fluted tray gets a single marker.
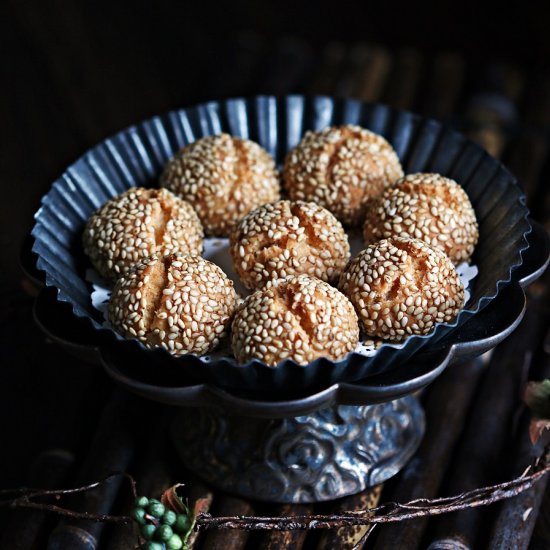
(135, 157)
(482, 332)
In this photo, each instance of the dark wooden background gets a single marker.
(74, 72)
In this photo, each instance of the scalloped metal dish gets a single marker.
(135, 157)
(414, 375)
(479, 334)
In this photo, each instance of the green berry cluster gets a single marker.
(162, 529)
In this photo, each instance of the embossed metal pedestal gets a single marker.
(325, 455)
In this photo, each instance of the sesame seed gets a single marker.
(385, 313)
(222, 192)
(351, 152)
(427, 207)
(287, 332)
(128, 233)
(193, 329)
(259, 235)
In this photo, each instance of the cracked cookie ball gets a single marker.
(298, 317)
(402, 286)
(340, 168)
(137, 224)
(224, 178)
(288, 238)
(181, 303)
(429, 207)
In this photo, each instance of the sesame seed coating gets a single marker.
(429, 207)
(340, 168)
(402, 286)
(137, 224)
(181, 303)
(288, 238)
(223, 177)
(298, 317)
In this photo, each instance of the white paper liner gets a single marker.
(216, 250)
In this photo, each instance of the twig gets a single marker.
(27, 496)
(388, 512)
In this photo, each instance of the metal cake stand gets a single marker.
(293, 446)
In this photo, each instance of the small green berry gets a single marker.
(155, 508)
(164, 532)
(153, 546)
(174, 543)
(182, 524)
(141, 502)
(148, 531)
(139, 515)
(169, 518)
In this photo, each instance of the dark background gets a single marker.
(75, 72)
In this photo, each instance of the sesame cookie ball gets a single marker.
(429, 207)
(288, 238)
(137, 224)
(340, 168)
(223, 177)
(402, 286)
(298, 317)
(181, 303)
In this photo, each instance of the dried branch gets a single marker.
(27, 500)
(385, 513)
(388, 512)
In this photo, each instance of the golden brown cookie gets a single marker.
(402, 286)
(223, 177)
(137, 224)
(301, 318)
(340, 168)
(288, 238)
(181, 303)
(429, 207)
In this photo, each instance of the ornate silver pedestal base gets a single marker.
(322, 456)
